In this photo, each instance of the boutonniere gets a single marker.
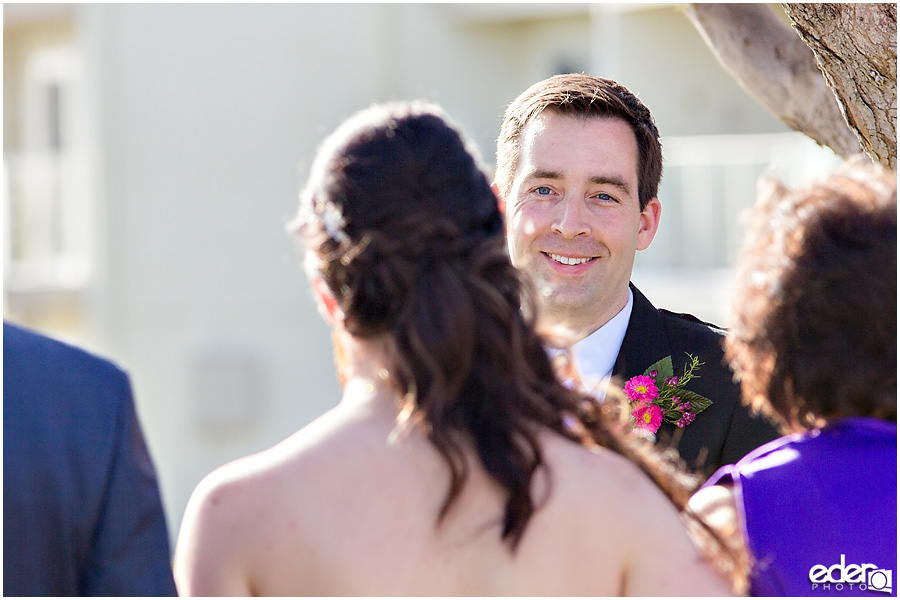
(659, 395)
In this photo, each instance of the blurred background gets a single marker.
(152, 155)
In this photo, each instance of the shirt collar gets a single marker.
(595, 356)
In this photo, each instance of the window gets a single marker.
(46, 193)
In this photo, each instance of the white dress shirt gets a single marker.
(595, 356)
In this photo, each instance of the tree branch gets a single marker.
(856, 48)
(776, 68)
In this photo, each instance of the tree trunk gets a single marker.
(776, 68)
(856, 48)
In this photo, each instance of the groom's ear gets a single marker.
(501, 203)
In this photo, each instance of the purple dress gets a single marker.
(819, 510)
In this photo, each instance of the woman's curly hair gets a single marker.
(814, 315)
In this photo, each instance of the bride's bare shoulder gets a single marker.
(616, 502)
(253, 502)
(594, 468)
(607, 492)
(268, 475)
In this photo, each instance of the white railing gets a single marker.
(708, 183)
(49, 222)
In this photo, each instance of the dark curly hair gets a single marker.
(410, 242)
(580, 95)
(814, 316)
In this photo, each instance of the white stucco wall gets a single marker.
(206, 117)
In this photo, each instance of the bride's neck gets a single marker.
(362, 369)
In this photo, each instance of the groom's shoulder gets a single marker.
(689, 335)
(686, 330)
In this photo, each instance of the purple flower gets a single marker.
(686, 419)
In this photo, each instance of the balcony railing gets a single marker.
(708, 183)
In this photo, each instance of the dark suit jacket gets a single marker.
(724, 432)
(81, 508)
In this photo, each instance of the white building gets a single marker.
(153, 153)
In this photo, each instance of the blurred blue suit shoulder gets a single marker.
(82, 513)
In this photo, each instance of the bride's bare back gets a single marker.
(344, 508)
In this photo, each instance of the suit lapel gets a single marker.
(645, 339)
(645, 343)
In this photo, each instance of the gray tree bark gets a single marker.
(780, 71)
(856, 49)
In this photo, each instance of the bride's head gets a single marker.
(405, 246)
(397, 214)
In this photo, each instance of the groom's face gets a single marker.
(573, 215)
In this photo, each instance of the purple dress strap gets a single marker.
(819, 510)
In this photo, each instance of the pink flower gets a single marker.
(647, 417)
(641, 388)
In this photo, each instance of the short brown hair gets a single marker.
(577, 94)
(814, 315)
